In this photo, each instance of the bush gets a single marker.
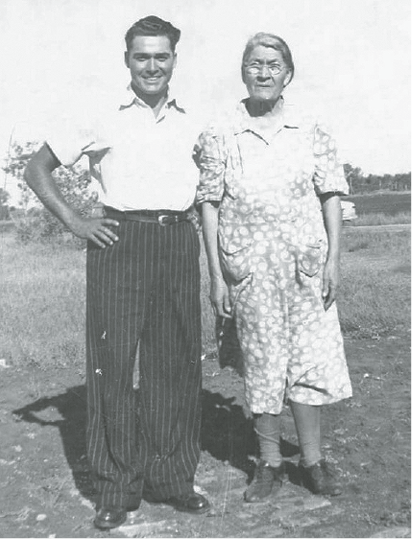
(37, 223)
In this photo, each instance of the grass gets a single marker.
(373, 219)
(388, 203)
(374, 294)
(380, 242)
(382, 208)
(42, 305)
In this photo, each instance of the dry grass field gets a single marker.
(44, 480)
(383, 208)
(46, 329)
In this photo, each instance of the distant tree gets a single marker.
(388, 182)
(402, 182)
(358, 183)
(4, 197)
(354, 177)
(18, 157)
(4, 209)
(72, 181)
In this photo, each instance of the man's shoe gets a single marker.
(110, 517)
(320, 479)
(265, 479)
(132, 507)
(190, 503)
(150, 497)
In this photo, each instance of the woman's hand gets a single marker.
(330, 283)
(219, 297)
(219, 292)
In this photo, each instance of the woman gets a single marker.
(269, 191)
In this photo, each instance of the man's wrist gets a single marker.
(72, 219)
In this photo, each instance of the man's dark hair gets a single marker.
(152, 26)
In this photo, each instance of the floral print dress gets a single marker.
(273, 246)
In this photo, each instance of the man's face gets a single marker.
(151, 62)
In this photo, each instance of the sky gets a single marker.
(352, 60)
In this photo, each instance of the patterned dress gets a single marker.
(273, 246)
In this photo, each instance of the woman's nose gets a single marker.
(264, 71)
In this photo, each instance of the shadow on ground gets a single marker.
(226, 433)
(70, 409)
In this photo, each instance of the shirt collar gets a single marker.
(129, 98)
(285, 117)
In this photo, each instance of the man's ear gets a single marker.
(126, 59)
(243, 75)
(174, 60)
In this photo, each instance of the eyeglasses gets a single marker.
(255, 69)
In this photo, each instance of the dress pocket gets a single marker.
(235, 260)
(311, 258)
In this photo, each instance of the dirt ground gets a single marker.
(45, 483)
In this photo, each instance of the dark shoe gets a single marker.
(266, 477)
(190, 503)
(320, 479)
(132, 507)
(150, 497)
(110, 517)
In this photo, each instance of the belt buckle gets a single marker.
(163, 220)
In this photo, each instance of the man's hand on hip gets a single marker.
(95, 229)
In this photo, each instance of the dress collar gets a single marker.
(284, 117)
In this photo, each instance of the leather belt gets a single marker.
(160, 217)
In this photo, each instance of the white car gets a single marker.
(348, 210)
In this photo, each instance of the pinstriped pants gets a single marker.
(144, 290)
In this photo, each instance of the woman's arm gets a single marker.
(332, 216)
(219, 293)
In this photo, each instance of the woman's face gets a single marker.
(265, 74)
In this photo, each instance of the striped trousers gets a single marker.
(144, 291)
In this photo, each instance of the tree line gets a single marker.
(360, 184)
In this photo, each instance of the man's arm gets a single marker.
(219, 294)
(332, 216)
(38, 175)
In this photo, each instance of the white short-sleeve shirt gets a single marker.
(141, 161)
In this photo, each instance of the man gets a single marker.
(143, 284)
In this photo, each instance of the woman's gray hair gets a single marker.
(274, 42)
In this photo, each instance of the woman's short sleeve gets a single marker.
(208, 155)
(329, 174)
